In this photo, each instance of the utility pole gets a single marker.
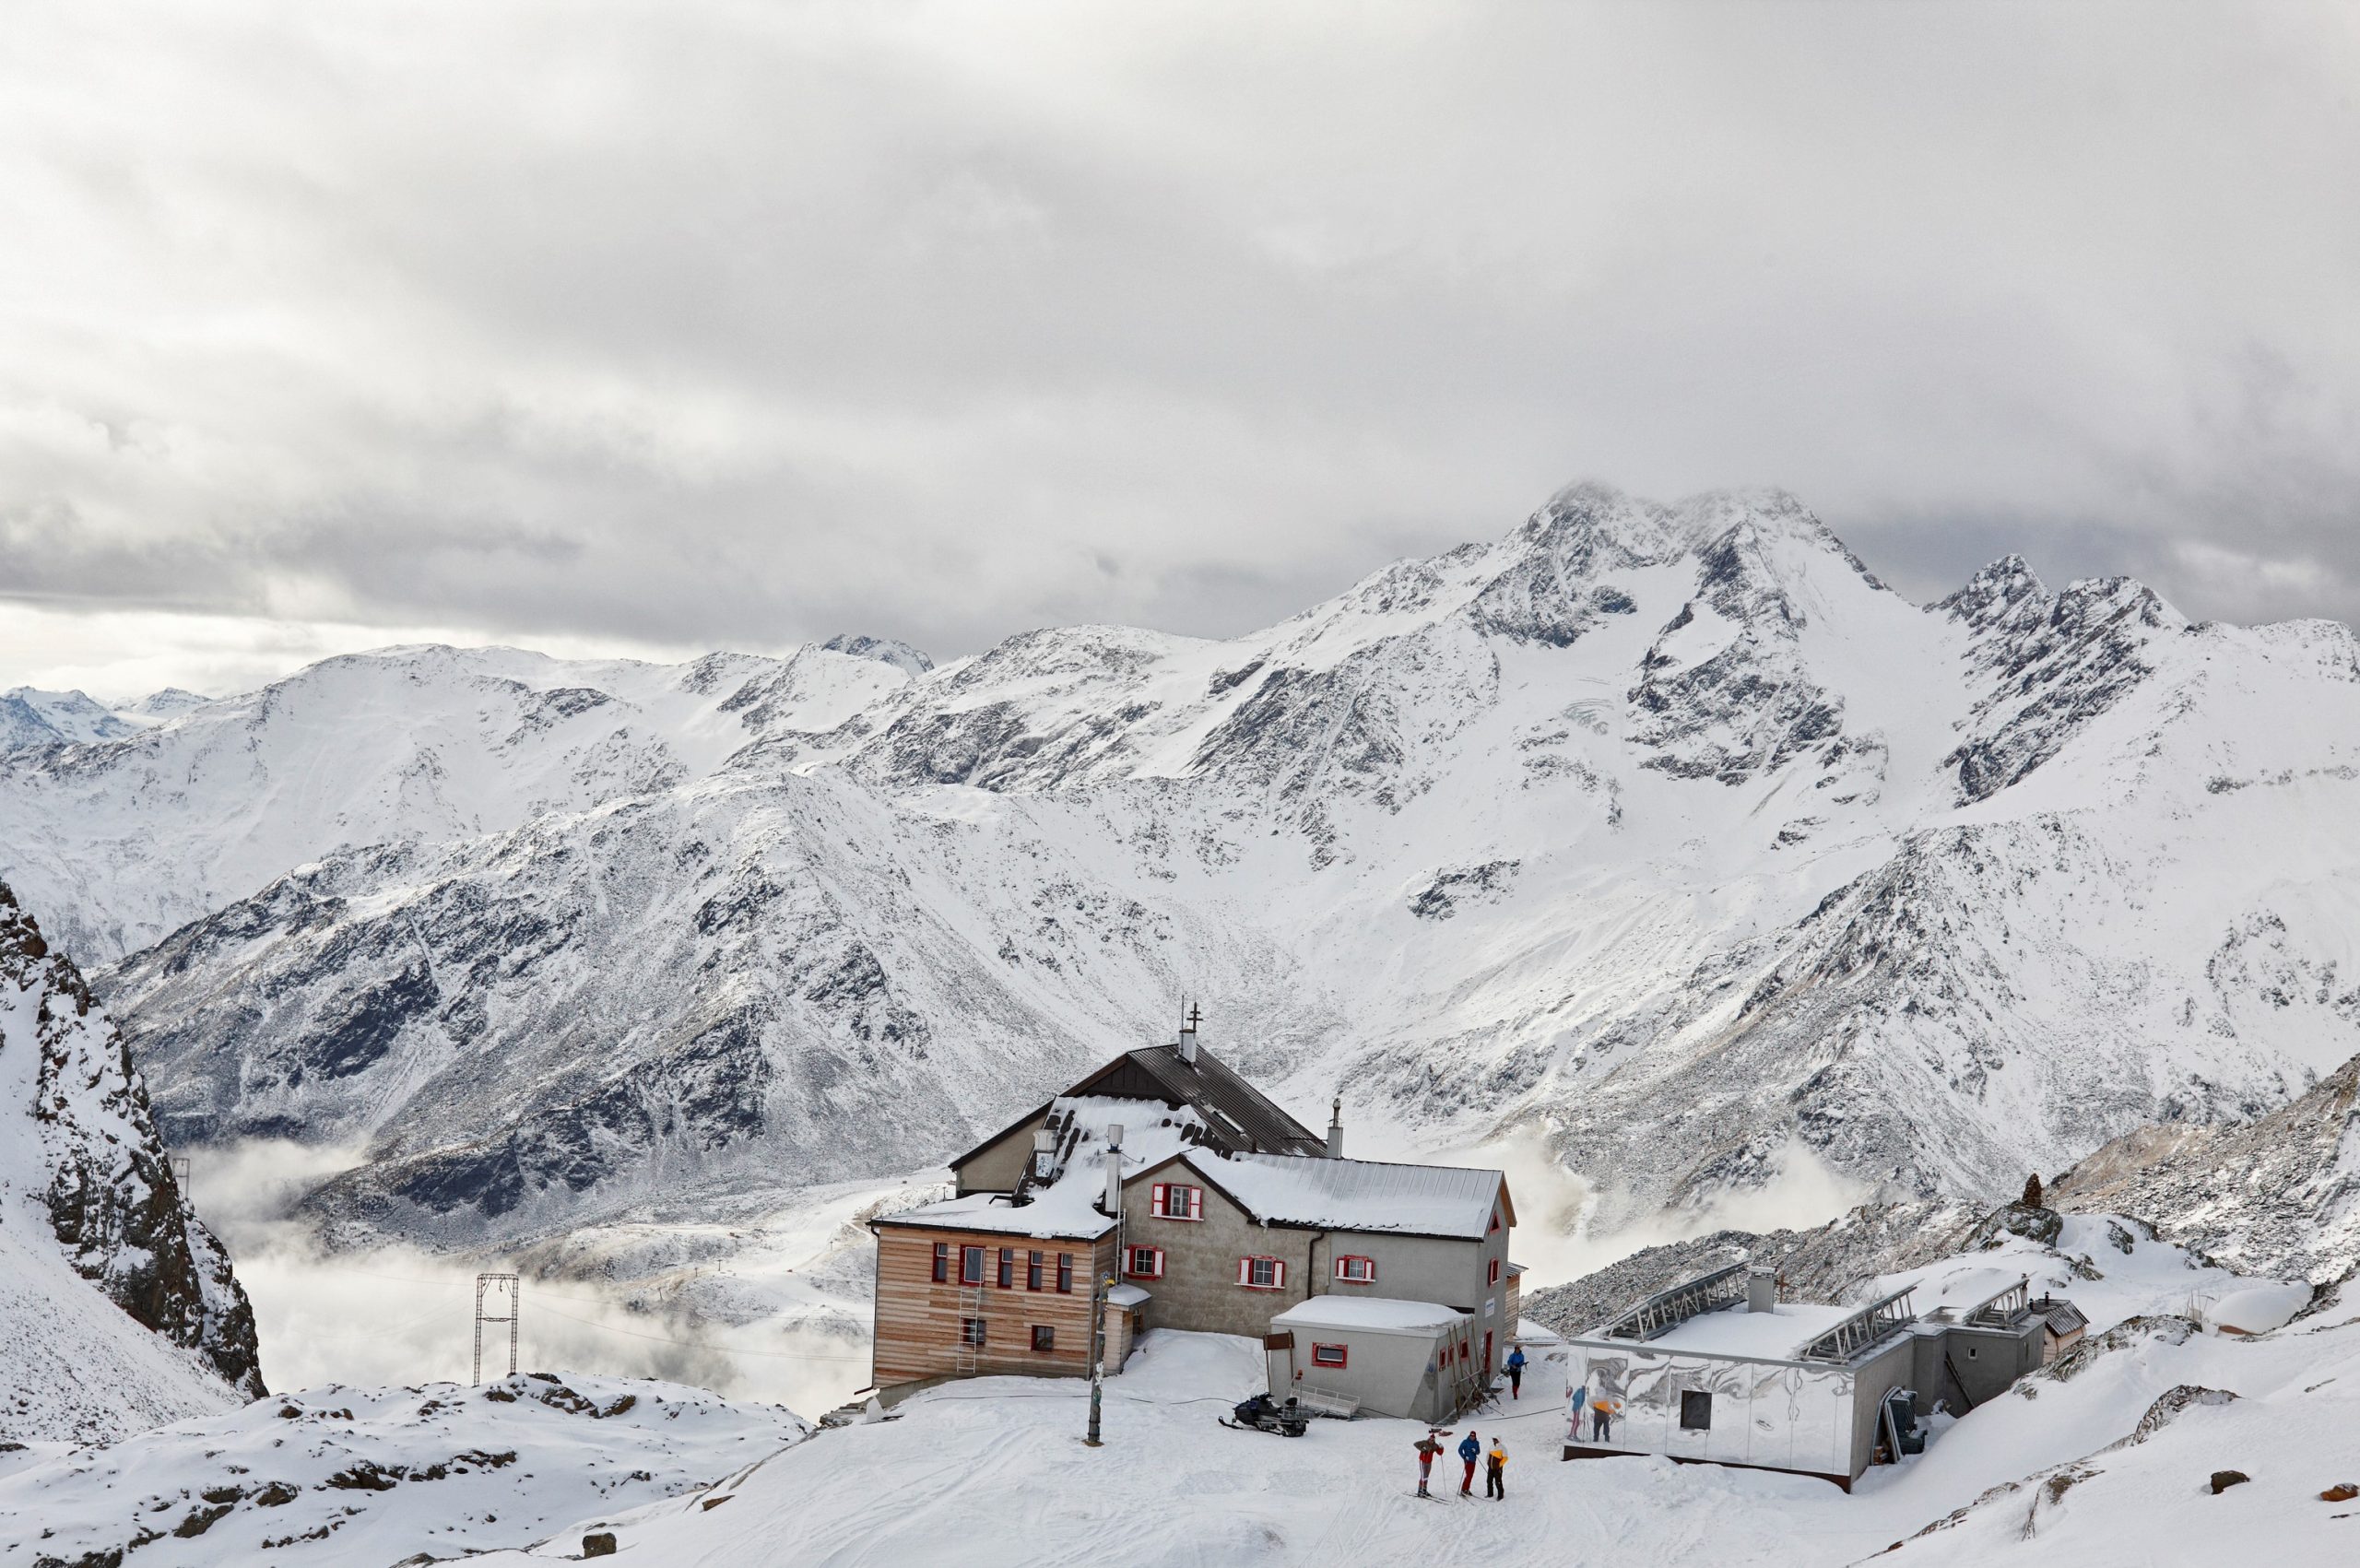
(498, 1284)
(1097, 1355)
(179, 1174)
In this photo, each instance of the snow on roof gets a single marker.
(1780, 1333)
(1126, 1296)
(1367, 1312)
(1356, 1195)
(1068, 1206)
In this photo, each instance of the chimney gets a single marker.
(1187, 1041)
(1760, 1289)
(1115, 1170)
(1336, 1129)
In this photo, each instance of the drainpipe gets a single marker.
(1310, 1275)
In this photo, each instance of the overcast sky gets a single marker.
(668, 326)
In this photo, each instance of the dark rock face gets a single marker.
(2058, 663)
(114, 1201)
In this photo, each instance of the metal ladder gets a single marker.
(970, 1305)
(1466, 1387)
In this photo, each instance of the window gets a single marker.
(1007, 1268)
(1262, 1273)
(1696, 1410)
(970, 1331)
(1356, 1270)
(1496, 1224)
(1064, 1274)
(1044, 1338)
(1328, 1355)
(1031, 1271)
(1143, 1263)
(1172, 1201)
(971, 1265)
(941, 1262)
(1493, 1277)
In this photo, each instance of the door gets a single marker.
(1488, 1368)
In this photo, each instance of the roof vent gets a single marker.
(1336, 1129)
(1187, 1041)
(1760, 1290)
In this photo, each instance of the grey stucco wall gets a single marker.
(1199, 1290)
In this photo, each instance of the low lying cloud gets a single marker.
(398, 1316)
(1554, 1208)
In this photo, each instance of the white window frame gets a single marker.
(1161, 1201)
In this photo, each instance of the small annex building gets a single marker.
(1342, 1355)
(1718, 1370)
(1165, 1191)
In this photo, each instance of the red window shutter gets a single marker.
(1195, 1203)
(1245, 1270)
(1278, 1275)
(1155, 1199)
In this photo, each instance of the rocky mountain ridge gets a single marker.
(1667, 835)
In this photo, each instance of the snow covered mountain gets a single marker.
(1666, 833)
(31, 717)
(119, 1308)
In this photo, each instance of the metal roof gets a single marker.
(1238, 1117)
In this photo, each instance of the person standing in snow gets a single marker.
(1576, 1406)
(1601, 1418)
(1515, 1372)
(1496, 1471)
(1427, 1446)
(1470, 1448)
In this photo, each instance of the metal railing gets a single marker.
(1667, 1310)
(2003, 1308)
(1860, 1330)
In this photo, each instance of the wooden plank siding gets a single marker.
(918, 1321)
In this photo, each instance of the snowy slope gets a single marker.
(1666, 834)
(117, 1308)
(376, 1475)
(992, 1471)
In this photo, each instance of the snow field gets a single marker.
(374, 1476)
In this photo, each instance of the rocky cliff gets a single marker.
(88, 1186)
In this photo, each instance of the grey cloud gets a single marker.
(721, 325)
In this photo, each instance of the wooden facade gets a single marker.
(922, 1323)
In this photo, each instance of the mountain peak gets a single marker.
(885, 650)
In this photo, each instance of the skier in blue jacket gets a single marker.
(1471, 1449)
(1515, 1372)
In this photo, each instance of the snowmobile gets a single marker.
(1261, 1413)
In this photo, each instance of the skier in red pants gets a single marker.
(1427, 1447)
(1470, 1450)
